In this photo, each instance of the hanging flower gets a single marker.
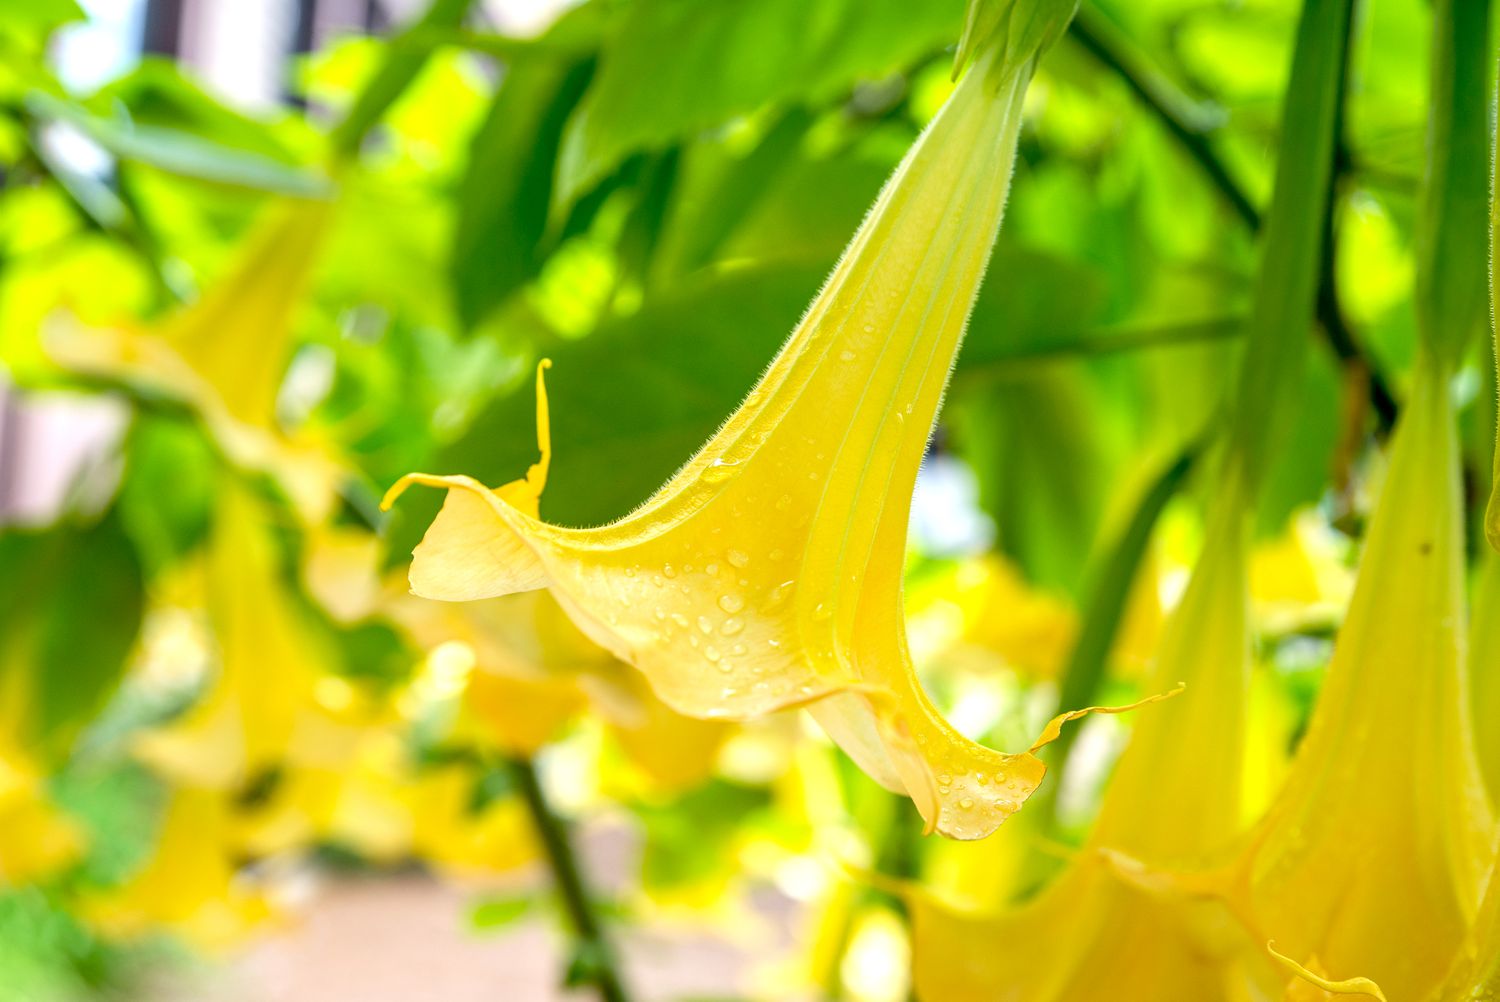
(1373, 857)
(269, 663)
(767, 573)
(224, 355)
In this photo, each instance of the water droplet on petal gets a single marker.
(739, 558)
(731, 626)
(731, 603)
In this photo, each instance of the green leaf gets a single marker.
(677, 67)
(1281, 316)
(1042, 465)
(181, 153)
(73, 607)
(166, 498)
(507, 187)
(495, 913)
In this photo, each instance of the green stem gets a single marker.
(594, 958)
(1190, 127)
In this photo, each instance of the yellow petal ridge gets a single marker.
(767, 572)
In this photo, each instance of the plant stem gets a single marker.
(600, 966)
(1186, 125)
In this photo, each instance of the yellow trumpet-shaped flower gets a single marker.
(528, 671)
(268, 662)
(1373, 857)
(36, 839)
(983, 609)
(1174, 802)
(767, 572)
(191, 886)
(224, 355)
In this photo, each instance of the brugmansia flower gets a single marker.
(521, 668)
(1174, 802)
(36, 839)
(269, 662)
(1373, 858)
(527, 672)
(767, 572)
(192, 885)
(225, 354)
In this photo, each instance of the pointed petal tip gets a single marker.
(1053, 730)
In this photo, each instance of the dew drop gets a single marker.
(731, 626)
(966, 803)
(705, 624)
(846, 356)
(630, 572)
(668, 570)
(739, 558)
(731, 603)
(680, 619)
(712, 653)
(711, 569)
(719, 471)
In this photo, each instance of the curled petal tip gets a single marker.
(1053, 730)
(1347, 986)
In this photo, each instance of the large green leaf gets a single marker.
(71, 613)
(181, 153)
(507, 185)
(673, 68)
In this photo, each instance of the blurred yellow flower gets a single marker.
(268, 661)
(191, 886)
(36, 838)
(1299, 579)
(767, 573)
(984, 605)
(224, 355)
